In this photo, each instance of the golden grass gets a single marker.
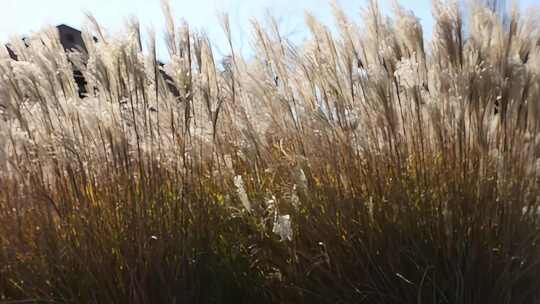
(367, 166)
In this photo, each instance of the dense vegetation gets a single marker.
(365, 166)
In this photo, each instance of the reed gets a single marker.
(368, 166)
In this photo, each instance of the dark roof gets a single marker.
(65, 26)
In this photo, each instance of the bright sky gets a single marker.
(24, 16)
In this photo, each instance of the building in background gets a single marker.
(71, 39)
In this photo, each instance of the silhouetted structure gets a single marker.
(71, 39)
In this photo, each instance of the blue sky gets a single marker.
(25, 16)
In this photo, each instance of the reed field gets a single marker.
(369, 164)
